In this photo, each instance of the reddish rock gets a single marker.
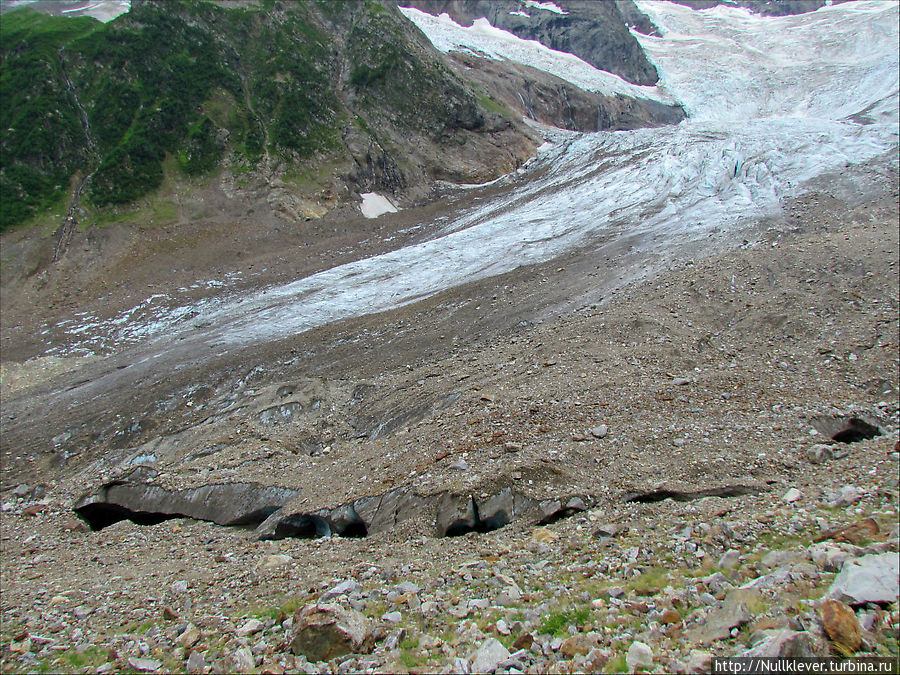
(858, 533)
(840, 624)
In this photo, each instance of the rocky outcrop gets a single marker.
(454, 514)
(532, 93)
(596, 32)
(135, 498)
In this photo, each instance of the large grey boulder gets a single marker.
(872, 578)
(488, 656)
(783, 643)
(323, 632)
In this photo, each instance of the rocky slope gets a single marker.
(716, 422)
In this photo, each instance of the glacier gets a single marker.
(772, 102)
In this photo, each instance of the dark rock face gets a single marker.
(551, 100)
(134, 498)
(596, 32)
(454, 514)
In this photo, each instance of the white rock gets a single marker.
(489, 655)
(393, 617)
(243, 660)
(250, 627)
(600, 431)
(274, 561)
(347, 587)
(729, 560)
(639, 656)
(792, 495)
(872, 578)
(144, 665)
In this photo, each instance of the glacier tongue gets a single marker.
(775, 102)
(729, 64)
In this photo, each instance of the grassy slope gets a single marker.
(202, 82)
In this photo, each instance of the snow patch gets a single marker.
(546, 6)
(374, 205)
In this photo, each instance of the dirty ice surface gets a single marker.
(103, 10)
(485, 40)
(774, 102)
(374, 205)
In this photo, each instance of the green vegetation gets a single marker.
(556, 623)
(198, 82)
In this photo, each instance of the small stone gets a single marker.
(179, 587)
(841, 625)
(792, 496)
(347, 587)
(34, 510)
(849, 494)
(195, 663)
(699, 661)
(392, 617)
(169, 614)
(819, 453)
(274, 561)
(512, 447)
(524, 641)
(729, 560)
(680, 381)
(243, 660)
(21, 490)
(502, 627)
(678, 442)
(600, 431)
(488, 656)
(578, 437)
(250, 627)
(190, 636)
(543, 535)
(144, 665)
(639, 656)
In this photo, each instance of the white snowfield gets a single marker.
(488, 41)
(374, 205)
(774, 102)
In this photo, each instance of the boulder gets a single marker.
(872, 578)
(323, 632)
(783, 643)
(841, 625)
(488, 656)
(639, 657)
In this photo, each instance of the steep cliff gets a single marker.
(596, 32)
